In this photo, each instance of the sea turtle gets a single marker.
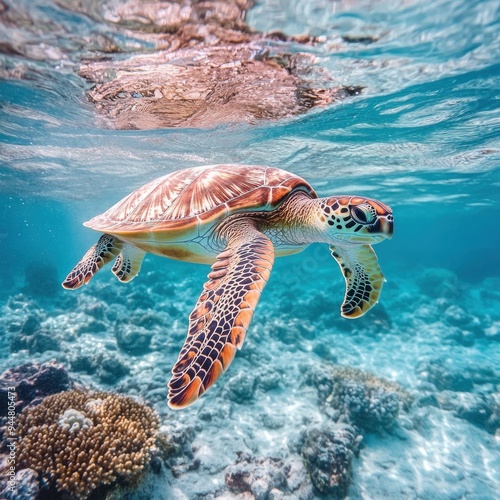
(237, 218)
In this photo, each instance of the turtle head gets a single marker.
(356, 219)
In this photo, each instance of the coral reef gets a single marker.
(260, 479)
(241, 388)
(285, 409)
(31, 383)
(36, 341)
(362, 399)
(460, 393)
(111, 368)
(25, 337)
(78, 441)
(174, 447)
(445, 377)
(267, 478)
(480, 410)
(328, 452)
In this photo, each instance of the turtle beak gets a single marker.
(387, 226)
(385, 220)
(382, 229)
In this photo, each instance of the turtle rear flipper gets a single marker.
(98, 255)
(128, 263)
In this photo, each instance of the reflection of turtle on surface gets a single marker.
(174, 63)
(203, 66)
(193, 89)
(237, 218)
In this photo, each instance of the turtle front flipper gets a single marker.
(98, 255)
(363, 276)
(219, 321)
(128, 263)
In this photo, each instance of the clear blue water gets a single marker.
(423, 137)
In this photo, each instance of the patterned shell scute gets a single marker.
(199, 195)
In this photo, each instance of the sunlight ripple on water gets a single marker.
(428, 105)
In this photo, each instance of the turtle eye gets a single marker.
(362, 214)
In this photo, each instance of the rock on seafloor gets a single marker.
(266, 477)
(31, 382)
(328, 452)
(133, 339)
(27, 486)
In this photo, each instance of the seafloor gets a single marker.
(253, 434)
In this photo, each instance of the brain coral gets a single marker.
(81, 440)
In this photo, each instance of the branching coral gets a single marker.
(81, 440)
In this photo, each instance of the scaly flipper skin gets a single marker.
(363, 278)
(218, 323)
(98, 255)
(128, 263)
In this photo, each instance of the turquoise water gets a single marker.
(422, 137)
